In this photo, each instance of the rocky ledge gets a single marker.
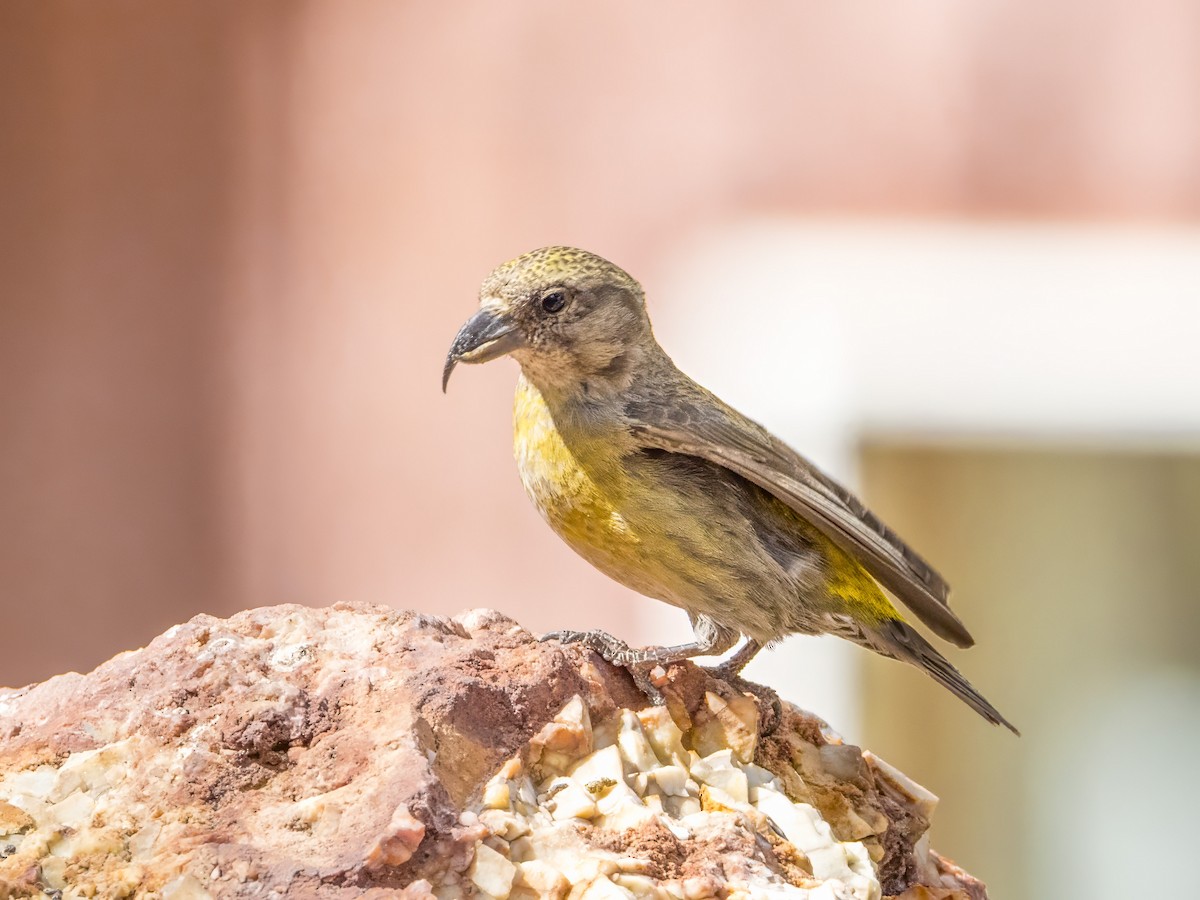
(359, 751)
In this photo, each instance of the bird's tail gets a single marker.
(900, 641)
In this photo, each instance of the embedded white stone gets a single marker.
(603, 763)
(922, 799)
(632, 742)
(621, 808)
(496, 795)
(671, 780)
(663, 734)
(720, 770)
(638, 773)
(491, 872)
(572, 800)
(602, 888)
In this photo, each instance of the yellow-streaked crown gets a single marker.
(551, 265)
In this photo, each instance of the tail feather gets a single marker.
(899, 640)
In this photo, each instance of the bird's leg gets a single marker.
(711, 639)
(732, 667)
(731, 672)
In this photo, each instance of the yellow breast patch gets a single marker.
(575, 488)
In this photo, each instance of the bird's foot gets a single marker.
(770, 707)
(639, 663)
(615, 650)
(642, 675)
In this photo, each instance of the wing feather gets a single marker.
(695, 422)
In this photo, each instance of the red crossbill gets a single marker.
(670, 491)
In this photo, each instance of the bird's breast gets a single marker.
(578, 485)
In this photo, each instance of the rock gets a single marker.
(358, 751)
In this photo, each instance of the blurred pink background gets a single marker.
(236, 241)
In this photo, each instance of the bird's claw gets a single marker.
(640, 673)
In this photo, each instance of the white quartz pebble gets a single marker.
(720, 770)
(633, 744)
(568, 799)
(491, 872)
(605, 763)
(671, 780)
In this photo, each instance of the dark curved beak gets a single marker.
(485, 336)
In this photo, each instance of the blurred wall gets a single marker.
(235, 241)
(116, 169)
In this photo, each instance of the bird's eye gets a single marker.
(553, 301)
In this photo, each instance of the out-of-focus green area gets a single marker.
(1079, 572)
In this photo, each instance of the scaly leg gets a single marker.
(732, 667)
(711, 639)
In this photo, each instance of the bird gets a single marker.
(672, 492)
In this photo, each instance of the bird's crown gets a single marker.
(568, 265)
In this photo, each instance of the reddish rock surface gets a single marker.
(343, 752)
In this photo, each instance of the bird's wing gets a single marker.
(697, 423)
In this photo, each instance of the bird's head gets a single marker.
(566, 315)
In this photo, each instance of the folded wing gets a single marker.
(696, 423)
